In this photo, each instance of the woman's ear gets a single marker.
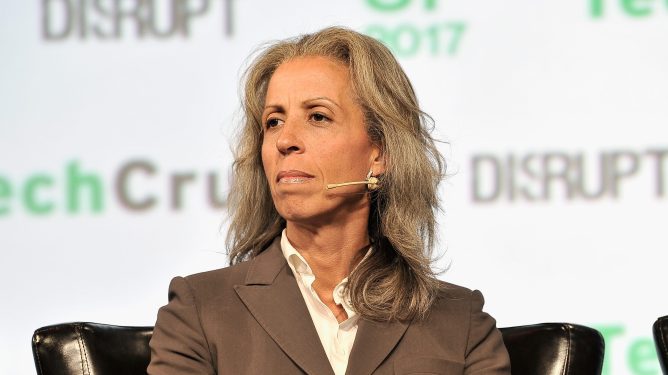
(377, 161)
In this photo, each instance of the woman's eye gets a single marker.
(272, 122)
(319, 117)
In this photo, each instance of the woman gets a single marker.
(332, 204)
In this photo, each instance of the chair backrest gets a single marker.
(91, 348)
(100, 349)
(660, 330)
(554, 348)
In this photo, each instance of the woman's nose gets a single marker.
(289, 139)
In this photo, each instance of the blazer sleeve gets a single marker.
(485, 351)
(178, 345)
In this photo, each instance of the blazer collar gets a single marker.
(265, 267)
(271, 294)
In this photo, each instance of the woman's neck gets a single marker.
(332, 250)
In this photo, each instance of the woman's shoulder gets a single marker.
(458, 306)
(208, 289)
(452, 296)
(223, 280)
(230, 275)
(217, 280)
(452, 291)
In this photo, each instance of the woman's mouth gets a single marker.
(293, 177)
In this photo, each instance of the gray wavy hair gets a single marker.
(397, 281)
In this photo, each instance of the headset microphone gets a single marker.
(371, 183)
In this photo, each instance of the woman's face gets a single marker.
(314, 135)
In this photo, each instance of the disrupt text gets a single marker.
(570, 176)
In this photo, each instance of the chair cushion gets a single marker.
(91, 348)
(554, 349)
(660, 330)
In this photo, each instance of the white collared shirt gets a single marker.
(337, 338)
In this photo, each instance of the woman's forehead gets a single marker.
(310, 78)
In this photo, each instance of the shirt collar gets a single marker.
(292, 256)
(303, 270)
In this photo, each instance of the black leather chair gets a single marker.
(554, 349)
(91, 349)
(100, 349)
(660, 330)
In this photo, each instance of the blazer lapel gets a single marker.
(272, 296)
(373, 343)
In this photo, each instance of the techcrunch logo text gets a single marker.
(143, 19)
(639, 352)
(136, 186)
(629, 8)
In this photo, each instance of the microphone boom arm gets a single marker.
(372, 183)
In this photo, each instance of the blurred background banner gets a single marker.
(117, 118)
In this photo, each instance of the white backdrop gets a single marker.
(116, 119)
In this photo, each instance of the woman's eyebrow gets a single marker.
(310, 101)
(274, 108)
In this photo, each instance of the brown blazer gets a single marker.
(251, 319)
